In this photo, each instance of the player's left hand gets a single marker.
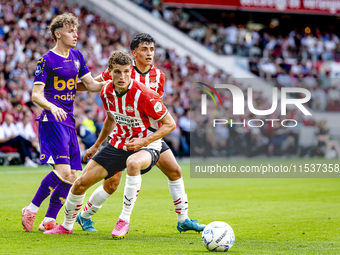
(90, 152)
(135, 144)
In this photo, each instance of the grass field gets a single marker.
(269, 216)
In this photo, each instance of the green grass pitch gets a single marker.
(269, 216)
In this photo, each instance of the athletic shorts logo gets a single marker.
(42, 156)
(38, 70)
(158, 107)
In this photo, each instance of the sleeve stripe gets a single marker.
(163, 115)
(39, 82)
(85, 75)
(101, 76)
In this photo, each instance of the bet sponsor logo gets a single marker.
(61, 85)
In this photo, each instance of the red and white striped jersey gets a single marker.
(135, 113)
(153, 79)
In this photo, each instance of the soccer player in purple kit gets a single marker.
(54, 90)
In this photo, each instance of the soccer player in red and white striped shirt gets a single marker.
(143, 49)
(132, 109)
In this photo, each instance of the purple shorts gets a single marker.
(59, 145)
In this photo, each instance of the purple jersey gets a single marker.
(59, 75)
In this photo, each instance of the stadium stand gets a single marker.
(24, 38)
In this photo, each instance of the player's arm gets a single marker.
(39, 98)
(81, 86)
(92, 84)
(168, 125)
(108, 126)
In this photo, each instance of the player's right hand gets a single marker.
(59, 113)
(90, 152)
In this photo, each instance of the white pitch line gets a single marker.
(25, 171)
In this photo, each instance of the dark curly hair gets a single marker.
(140, 38)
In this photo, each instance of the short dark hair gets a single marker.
(140, 38)
(119, 57)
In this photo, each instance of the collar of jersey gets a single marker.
(122, 94)
(60, 54)
(142, 74)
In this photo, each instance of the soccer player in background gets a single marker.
(132, 108)
(55, 86)
(143, 49)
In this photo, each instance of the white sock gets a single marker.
(33, 208)
(131, 189)
(48, 219)
(179, 198)
(72, 206)
(97, 199)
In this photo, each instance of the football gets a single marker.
(218, 236)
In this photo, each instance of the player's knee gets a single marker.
(133, 163)
(176, 173)
(79, 187)
(111, 187)
(72, 177)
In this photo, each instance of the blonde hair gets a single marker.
(119, 57)
(60, 20)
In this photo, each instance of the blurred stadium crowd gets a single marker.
(300, 58)
(24, 38)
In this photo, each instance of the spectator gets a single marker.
(25, 129)
(87, 137)
(10, 137)
(324, 140)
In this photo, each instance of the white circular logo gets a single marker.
(38, 70)
(153, 85)
(281, 5)
(129, 108)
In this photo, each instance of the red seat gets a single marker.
(8, 149)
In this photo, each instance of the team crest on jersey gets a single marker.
(153, 85)
(129, 108)
(77, 64)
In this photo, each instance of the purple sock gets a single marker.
(47, 186)
(58, 198)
